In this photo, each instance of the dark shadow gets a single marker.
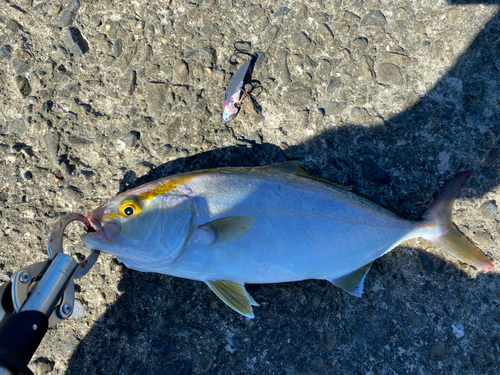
(417, 306)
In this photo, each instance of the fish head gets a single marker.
(141, 227)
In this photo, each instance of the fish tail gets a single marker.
(448, 237)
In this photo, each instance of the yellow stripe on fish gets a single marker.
(168, 185)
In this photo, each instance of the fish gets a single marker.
(234, 94)
(228, 227)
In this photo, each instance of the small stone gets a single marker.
(69, 13)
(18, 126)
(326, 33)
(51, 142)
(488, 209)
(143, 169)
(321, 17)
(111, 28)
(14, 26)
(156, 95)
(366, 67)
(146, 54)
(361, 43)
(483, 239)
(78, 141)
(374, 18)
(181, 71)
(131, 138)
(303, 12)
(78, 310)
(47, 106)
(438, 351)
(389, 74)
(108, 61)
(127, 84)
(301, 40)
(373, 172)
(208, 53)
(167, 151)
(20, 66)
(117, 47)
(75, 41)
(5, 52)
(71, 194)
(458, 330)
(333, 108)
(334, 84)
(300, 96)
(26, 4)
(23, 85)
(28, 175)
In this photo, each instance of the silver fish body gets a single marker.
(232, 226)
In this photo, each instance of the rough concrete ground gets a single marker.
(391, 97)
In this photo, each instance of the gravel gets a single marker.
(392, 98)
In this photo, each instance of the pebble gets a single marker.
(20, 66)
(131, 138)
(23, 85)
(14, 26)
(483, 239)
(300, 96)
(458, 330)
(488, 209)
(389, 74)
(181, 71)
(361, 43)
(326, 33)
(69, 13)
(283, 71)
(156, 95)
(78, 310)
(117, 47)
(5, 52)
(334, 84)
(438, 351)
(301, 40)
(374, 18)
(333, 108)
(75, 41)
(208, 53)
(128, 83)
(143, 169)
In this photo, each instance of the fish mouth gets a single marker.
(106, 233)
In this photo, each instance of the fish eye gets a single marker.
(129, 208)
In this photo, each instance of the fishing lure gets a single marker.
(234, 94)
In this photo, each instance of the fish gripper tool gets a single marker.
(37, 297)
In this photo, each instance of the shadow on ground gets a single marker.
(420, 313)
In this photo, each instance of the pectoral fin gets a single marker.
(229, 228)
(234, 295)
(353, 282)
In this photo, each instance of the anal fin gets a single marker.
(353, 282)
(234, 295)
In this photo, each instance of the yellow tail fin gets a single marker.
(451, 239)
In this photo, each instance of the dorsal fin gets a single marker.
(296, 167)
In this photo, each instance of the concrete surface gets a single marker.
(391, 97)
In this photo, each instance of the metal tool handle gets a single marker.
(22, 332)
(28, 304)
